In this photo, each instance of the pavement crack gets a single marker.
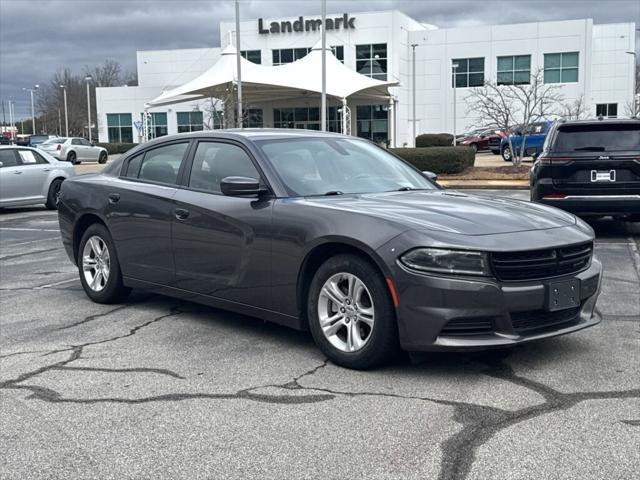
(93, 317)
(161, 371)
(32, 252)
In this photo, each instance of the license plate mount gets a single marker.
(562, 295)
(603, 176)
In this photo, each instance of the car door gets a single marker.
(32, 175)
(536, 134)
(10, 168)
(76, 146)
(140, 210)
(222, 244)
(90, 152)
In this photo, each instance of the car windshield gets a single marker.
(334, 166)
(38, 138)
(598, 137)
(56, 140)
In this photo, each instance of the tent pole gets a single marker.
(323, 96)
(238, 63)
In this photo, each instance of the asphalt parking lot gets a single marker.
(159, 388)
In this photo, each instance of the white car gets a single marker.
(74, 150)
(29, 176)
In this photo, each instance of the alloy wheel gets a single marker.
(346, 312)
(96, 263)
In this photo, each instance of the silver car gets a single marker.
(30, 176)
(74, 150)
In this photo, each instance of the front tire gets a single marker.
(99, 268)
(351, 315)
(506, 154)
(54, 194)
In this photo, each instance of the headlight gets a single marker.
(440, 260)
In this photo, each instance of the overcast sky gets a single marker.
(37, 37)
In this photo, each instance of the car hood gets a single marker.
(450, 211)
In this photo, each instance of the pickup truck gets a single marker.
(536, 135)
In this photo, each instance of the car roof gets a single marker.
(597, 121)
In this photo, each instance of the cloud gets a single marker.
(37, 37)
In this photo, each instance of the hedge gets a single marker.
(114, 148)
(438, 159)
(434, 140)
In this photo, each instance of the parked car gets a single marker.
(495, 141)
(35, 140)
(74, 150)
(331, 233)
(478, 140)
(29, 176)
(590, 167)
(534, 140)
(5, 140)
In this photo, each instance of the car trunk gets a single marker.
(597, 159)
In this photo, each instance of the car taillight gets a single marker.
(555, 195)
(554, 160)
(59, 147)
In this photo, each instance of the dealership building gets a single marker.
(588, 62)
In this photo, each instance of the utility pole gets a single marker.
(413, 87)
(88, 79)
(454, 68)
(59, 123)
(323, 95)
(238, 64)
(4, 119)
(66, 114)
(33, 110)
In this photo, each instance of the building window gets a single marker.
(334, 119)
(189, 121)
(470, 72)
(299, 117)
(288, 55)
(607, 110)
(252, 118)
(254, 56)
(514, 70)
(373, 122)
(338, 52)
(157, 124)
(371, 60)
(561, 67)
(119, 128)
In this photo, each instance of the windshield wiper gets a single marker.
(333, 192)
(590, 149)
(405, 189)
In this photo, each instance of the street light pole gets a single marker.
(239, 65)
(66, 115)
(634, 100)
(88, 79)
(413, 87)
(454, 70)
(33, 110)
(323, 95)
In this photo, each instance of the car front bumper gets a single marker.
(454, 313)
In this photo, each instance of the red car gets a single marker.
(479, 140)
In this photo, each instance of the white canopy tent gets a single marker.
(299, 79)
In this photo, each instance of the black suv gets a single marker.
(590, 168)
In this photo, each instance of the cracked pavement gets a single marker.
(160, 388)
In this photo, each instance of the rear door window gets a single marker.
(28, 157)
(598, 138)
(8, 158)
(162, 164)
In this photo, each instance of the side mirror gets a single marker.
(1, 164)
(240, 186)
(430, 175)
(535, 156)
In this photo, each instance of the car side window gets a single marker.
(8, 158)
(133, 166)
(163, 163)
(28, 157)
(75, 141)
(84, 142)
(214, 161)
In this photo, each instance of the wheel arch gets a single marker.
(321, 252)
(81, 225)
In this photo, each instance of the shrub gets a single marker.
(114, 148)
(434, 140)
(438, 159)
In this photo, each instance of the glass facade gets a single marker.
(298, 117)
(561, 67)
(373, 123)
(253, 118)
(120, 128)
(158, 124)
(288, 55)
(607, 110)
(371, 60)
(338, 52)
(514, 70)
(189, 121)
(470, 72)
(254, 56)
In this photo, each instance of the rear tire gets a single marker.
(72, 158)
(54, 193)
(506, 154)
(103, 157)
(475, 147)
(99, 268)
(357, 330)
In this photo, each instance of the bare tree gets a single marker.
(514, 105)
(576, 110)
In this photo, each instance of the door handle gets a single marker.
(114, 197)
(46, 169)
(181, 213)
(17, 172)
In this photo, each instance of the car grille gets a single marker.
(536, 264)
(462, 327)
(539, 321)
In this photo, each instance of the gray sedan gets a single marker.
(29, 176)
(331, 234)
